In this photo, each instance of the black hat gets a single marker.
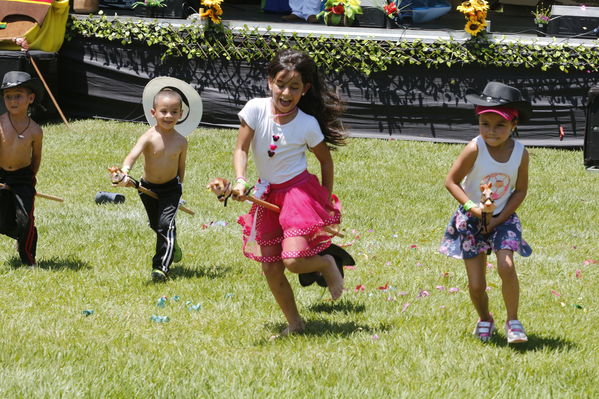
(21, 79)
(498, 94)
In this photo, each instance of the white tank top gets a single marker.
(502, 175)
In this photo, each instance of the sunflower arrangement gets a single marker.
(475, 12)
(212, 10)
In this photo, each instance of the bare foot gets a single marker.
(333, 278)
(290, 330)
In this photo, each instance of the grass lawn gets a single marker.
(398, 342)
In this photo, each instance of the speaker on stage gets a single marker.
(580, 21)
(591, 135)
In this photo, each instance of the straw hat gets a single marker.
(192, 102)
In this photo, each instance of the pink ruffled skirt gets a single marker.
(305, 226)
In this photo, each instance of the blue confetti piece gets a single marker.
(160, 319)
(87, 312)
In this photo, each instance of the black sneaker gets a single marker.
(158, 276)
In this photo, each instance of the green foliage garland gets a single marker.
(334, 54)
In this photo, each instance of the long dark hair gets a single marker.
(319, 101)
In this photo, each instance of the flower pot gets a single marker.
(390, 23)
(342, 21)
(173, 9)
(371, 17)
(86, 6)
(541, 30)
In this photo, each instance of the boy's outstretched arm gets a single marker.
(135, 152)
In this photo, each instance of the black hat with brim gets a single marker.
(497, 94)
(14, 79)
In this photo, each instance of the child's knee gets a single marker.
(477, 287)
(272, 269)
(293, 264)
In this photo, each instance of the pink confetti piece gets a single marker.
(390, 298)
(578, 273)
(419, 264)
(442, 307)
(388, 264)
(370, 230)
(589, 261)
(384, 287)
(423, 293)
(413, 246)
(490, 265)
(454, 289)
(354, 231)
(488, 289)
(557, 294)
(375, 336)
(359, 287)
(349, 267)
(440, 287)
(405, 307)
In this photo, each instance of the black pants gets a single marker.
(17, 206)
(161, 214)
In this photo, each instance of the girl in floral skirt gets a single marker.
(492, 157)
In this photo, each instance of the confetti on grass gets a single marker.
(557, 294)
(359, 287)
(87, 312)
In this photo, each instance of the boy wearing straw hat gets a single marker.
(20, 158)
(173, 104)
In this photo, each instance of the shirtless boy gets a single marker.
(164, 151)
(20, 158)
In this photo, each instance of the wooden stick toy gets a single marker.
(41, 195)
(117, 176)
(223, 190)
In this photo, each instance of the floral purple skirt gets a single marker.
(463, 238)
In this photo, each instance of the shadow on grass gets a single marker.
(319, 327)
(54, 263)
(342, 306)
(211, 272)
(535, 343)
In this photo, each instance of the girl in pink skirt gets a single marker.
(300, 115)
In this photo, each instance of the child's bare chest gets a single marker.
(11, 143)
(163, 149)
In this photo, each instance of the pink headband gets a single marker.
(505, 112)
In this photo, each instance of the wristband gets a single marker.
(468, 205)
(243, 180)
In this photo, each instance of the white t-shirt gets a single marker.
(503, 175)
(289, 141)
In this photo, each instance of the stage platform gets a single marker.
(408, 102)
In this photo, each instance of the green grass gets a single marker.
(369, 344)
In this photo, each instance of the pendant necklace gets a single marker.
(276, 136)
(20, 134)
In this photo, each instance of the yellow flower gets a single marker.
(354, 3)
(480, 5)
(210, 3)
(466, 7)
(474, 27)
(213, 15)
